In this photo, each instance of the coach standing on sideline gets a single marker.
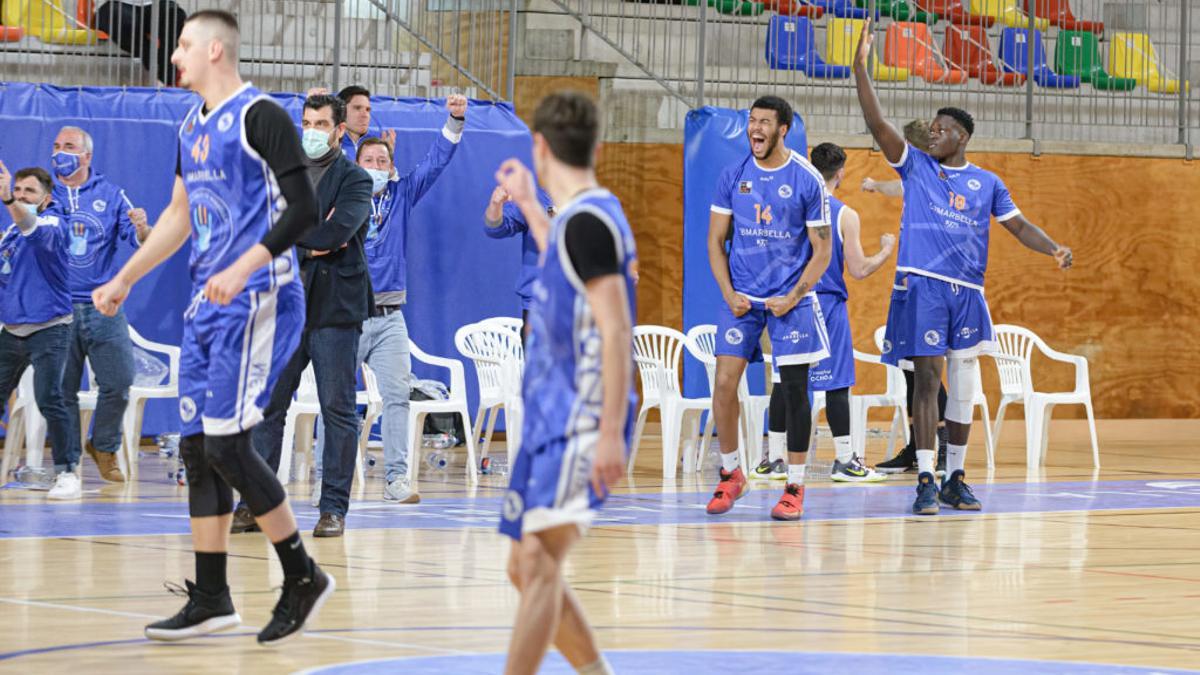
(338, 299)
(95, 214)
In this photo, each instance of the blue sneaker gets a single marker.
(927, 495)
(955, 492)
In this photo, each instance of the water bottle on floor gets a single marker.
(34, 476)
(437, 460)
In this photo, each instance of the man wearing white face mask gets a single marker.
(384, 342)
(35, 308)
(338, 297)
(97, 217)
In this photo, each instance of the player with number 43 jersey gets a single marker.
(772, 209)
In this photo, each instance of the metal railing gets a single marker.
(393, 47)
(720, 53)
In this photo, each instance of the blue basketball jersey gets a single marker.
(772, 210)
(947, 217)
(834, 279)
(233, 199)
(562, 390)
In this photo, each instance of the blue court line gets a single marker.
(838, 503)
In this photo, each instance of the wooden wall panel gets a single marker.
(1129, 305)
(530, 89)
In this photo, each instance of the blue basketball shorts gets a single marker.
(797, 337)
(837, 370)
(932, 317)
(551, 486)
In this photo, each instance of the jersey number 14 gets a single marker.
(762, 215)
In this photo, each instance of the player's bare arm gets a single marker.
(821, 239)
(857, 263)
(718, 260)
(886, 135)
(517, 181)
(1036, 239)
(607, 298)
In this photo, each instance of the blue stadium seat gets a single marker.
(1013, 52)
(792, 46)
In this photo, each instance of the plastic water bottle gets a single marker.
(438, 441)
(485, 466)
(438, 460)
(168, 444)
(35, 476)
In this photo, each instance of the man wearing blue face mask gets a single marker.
(384, 342)
(337, 291)
(35, 308)
(97, 216)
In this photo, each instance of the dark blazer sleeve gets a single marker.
(345, 199)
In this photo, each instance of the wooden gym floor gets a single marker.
(1067, 570)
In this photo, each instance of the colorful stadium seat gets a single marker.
(11, 33)
(955, 12)
(795, 8)
(46, 20)
(1133, 55)
(968, 48)
(792, 46)
(899, 10)
(1078, 53)
(844, 9)
(841, 44)
(1059, 13)
(909, 45)
(1007, 13)
(1013, 56)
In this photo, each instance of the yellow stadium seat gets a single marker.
(1008, 13)
(46, 20)
(1132, 55)
(841, 44)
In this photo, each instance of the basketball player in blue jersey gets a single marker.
(773, 209)
(938, 314)
(243, 195)
(578, 386)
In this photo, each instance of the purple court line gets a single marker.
(840, 503)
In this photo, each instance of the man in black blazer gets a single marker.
(338, 297)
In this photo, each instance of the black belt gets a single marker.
(384, 310)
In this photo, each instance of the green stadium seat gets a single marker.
(900, 10)
(1078, 53)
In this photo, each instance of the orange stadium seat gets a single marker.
(910, 45)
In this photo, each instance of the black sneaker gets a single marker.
(905, 460)
(243, 520)
(955, 492)
(204, 613)
(927, 496)
(300, 601)
(762, 471)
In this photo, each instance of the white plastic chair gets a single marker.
(141, 392)
(894, 396)
(305, 408)
(25, 427)
(456, 404)
(658, 352)
(370, 397)
(1016, 386)
(702, 341)
(494, 347)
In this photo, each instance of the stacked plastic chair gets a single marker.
(1015, 58)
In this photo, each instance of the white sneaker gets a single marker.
(400, 490)
(66, 486)
(315, 499)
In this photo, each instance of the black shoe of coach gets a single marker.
(330, 525)
(243, 521)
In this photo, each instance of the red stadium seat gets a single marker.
(954, 12)
(910, 45)
(968, 48)
(1059, 13)
(794, 8)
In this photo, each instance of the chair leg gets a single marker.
(416, 421)
(35, 436)
(637, 436)
(472, 461)
(1045, 433)
(671, 424)
(12, 444)
(1033, 427)
(999, 423)
(897, 427)
(688, 441)
(1092, 428)
(477, 429)
(493, 414)
(858, 429)
(987, 436)
(705, 441)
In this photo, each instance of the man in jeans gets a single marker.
(96, 216)
(337, 292)
(384, 343)
(35, 308)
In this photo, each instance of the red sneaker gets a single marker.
(791, 504)
(729, 490)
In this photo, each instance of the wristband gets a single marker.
(8, 201)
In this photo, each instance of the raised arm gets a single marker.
(517, 181)
(1036, 239)
(165, 238)
(886, 135)
(857, 263)
(890, 188)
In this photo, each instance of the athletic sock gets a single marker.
(926, 461)
(210, 572)
(841, 445)
(597, 667)
(776, 445)
(796, 474)
(293, 557)
(730, 461)
(956, 457)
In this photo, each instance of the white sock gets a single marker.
(730, 461)
(926, 461)
(776, 445)
(796, 474)
(841, 445)
(956, 456)
(598, 667)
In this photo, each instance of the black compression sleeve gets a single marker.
(272, 134)
(591, 246)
